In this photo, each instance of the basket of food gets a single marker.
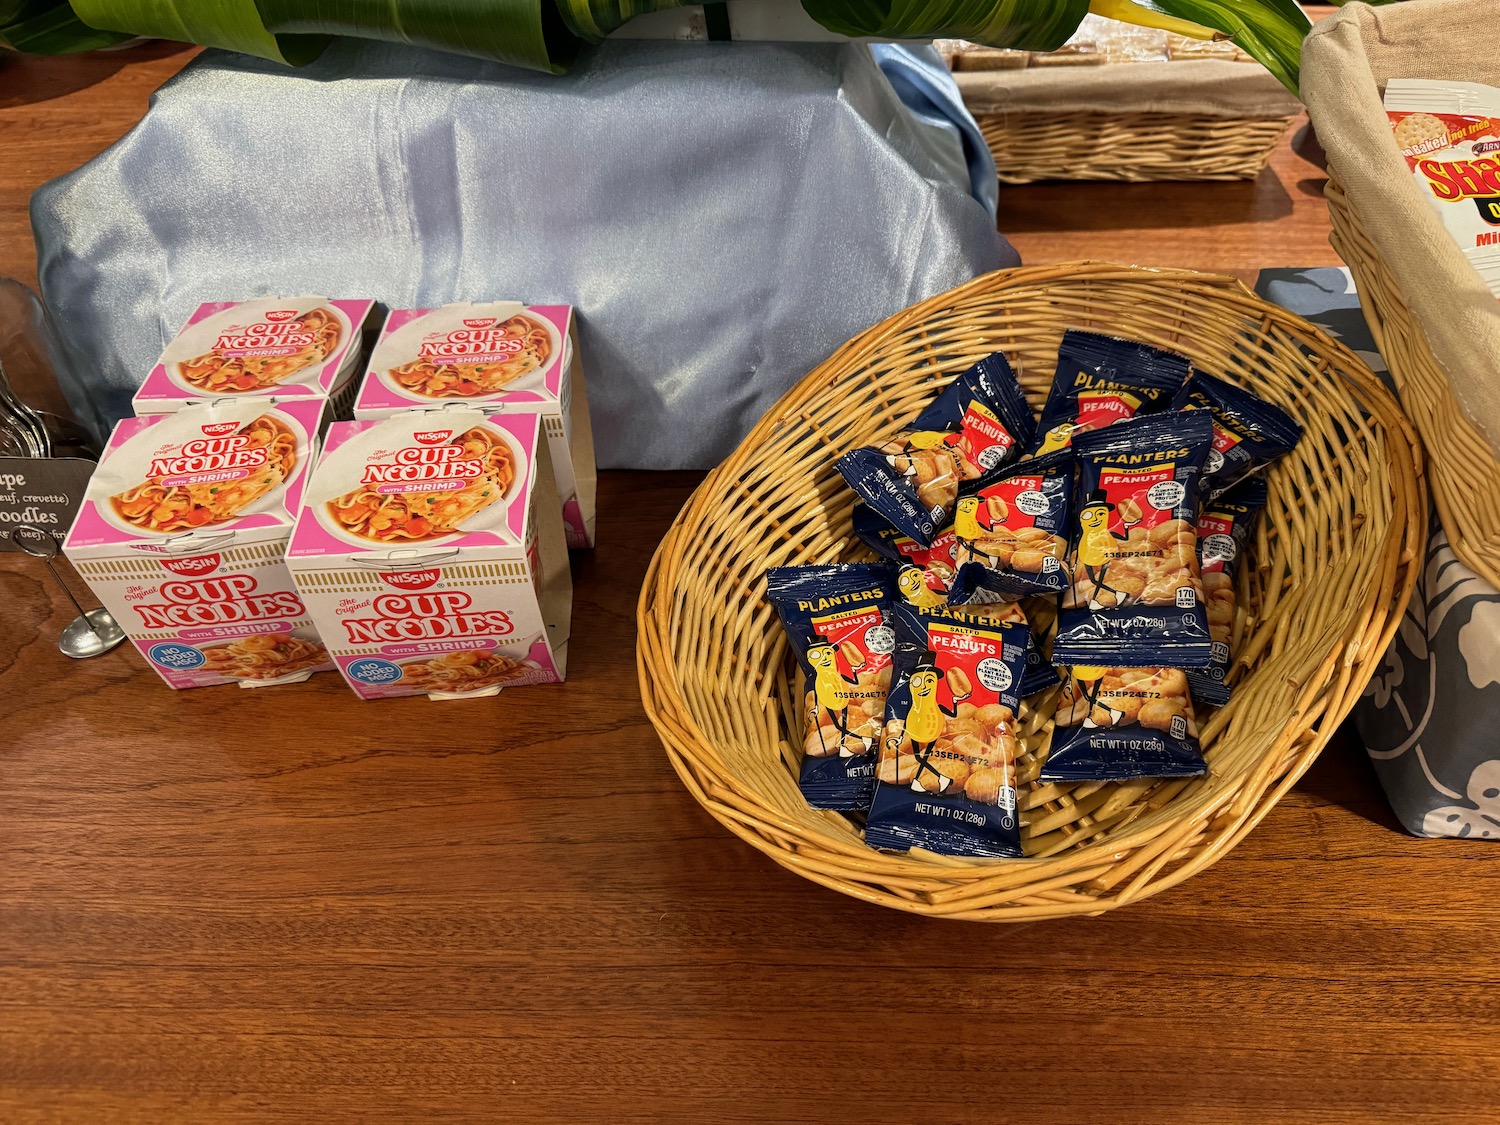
(1407, 106)
(889, 729)
(1123, 103)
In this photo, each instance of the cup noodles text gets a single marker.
(496, 357)
(182, 533)
(430, 551)
(270, 347)
(1449, 133)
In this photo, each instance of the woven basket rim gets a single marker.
(1465, 468)
(1143, 858)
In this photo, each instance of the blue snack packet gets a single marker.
(1224, 531)
(1012, 529)
(837, 620)
(1113, 724)
(1102, 380)
(948, 756)
(922, 581)
(1137, 598)
(923, 574)
(1249, 433)
(980, 421)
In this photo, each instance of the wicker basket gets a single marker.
(1129, 146)
(1465, 477)
(1334, 569)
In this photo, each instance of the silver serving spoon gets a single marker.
(93, 632)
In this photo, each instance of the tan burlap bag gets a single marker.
(1345, 64)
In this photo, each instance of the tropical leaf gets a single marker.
(527, 33)
(1029, 25)
(545, 34)
(235, 25)
(49, 27)
(594, 19)
(1270, 31)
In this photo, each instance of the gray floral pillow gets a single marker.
(1429, 716)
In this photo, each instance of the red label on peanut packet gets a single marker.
(984, 435)
(979, 662)
(935, 562)
(861, 640)
(1140, 497)
(1021, 500)
(1215, 535)
(1098, 409)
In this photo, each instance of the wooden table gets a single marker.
(290, 904)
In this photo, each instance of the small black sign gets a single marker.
(43, 492)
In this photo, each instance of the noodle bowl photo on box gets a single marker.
(182, 533)
(447, 480)
(286, 347)
(497, 357)
(430, 551)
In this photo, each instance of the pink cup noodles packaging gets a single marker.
(1101, 380)
(1449, 134)
(268, 347)
(182, 534)
(429, 549)
(498, 357)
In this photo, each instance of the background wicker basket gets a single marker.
(1334, 569)
(1465, 473)
(1129, 146)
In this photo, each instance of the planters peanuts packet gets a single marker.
(1012, 529)
(1102, 380)
(923, 574)
(1224, 531)
(980, 421)
(1137, 597)
(1117, 723)
(948, 756)
(922, 578)
(1249, 433)
(837, 619)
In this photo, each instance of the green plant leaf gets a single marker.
(49, 27)
(1029, 25)
(594, 19)
(235, 25)
(527, 33)
(1270, 31)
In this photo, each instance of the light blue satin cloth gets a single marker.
(723, 216)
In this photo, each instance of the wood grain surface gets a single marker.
(288, 904)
